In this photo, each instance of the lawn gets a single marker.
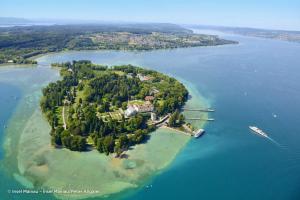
(137, 102)
(116, 115)
(120, 73)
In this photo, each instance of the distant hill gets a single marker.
(13, 20)
(95, 25)
(291, 36)
(129, 27)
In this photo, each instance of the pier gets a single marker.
(197, 118)
(200, 110)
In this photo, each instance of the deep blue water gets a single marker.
(254, 83)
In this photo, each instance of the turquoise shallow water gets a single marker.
(253, 83)
(20, 93)
(8, 100)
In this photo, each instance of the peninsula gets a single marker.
(284, 35)
(19, 44)
(110, 108)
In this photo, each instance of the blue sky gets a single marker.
(272, 14)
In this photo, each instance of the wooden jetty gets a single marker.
(200, 110)
(197, 118)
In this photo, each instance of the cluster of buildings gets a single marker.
(143, 77)
(140, 76)
(146, 106)
(139, 108)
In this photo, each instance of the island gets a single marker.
(110, 108)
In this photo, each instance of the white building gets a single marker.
(143, 78)
(153, 116)
(130, 111)
(129, 75)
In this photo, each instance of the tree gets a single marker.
(123, 141)
(176, 119)
(106, 106)
(180, 119)
(78, 143)
(106, 145)
(109, 144)
(138, 137)
(172, 120)
(124, 105)
(56, 140)
(118, 150)
(100, 144)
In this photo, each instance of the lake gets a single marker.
(253, 83)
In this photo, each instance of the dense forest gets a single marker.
(19, 44)
(86, 108)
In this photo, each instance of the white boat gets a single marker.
(258, 131)
(198, 133)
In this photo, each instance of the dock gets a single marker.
(199, 110)
(209, 119)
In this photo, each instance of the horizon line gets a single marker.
(73, 21)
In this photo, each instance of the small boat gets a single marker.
(258, 131)
(198, 133)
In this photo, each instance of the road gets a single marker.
(63, 117)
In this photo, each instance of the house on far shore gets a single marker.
(144, 78)
(10, 61)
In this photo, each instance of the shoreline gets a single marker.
(176, 130)
(17, 65)
(117, 50)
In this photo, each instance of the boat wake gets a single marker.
(263, 134)
(274, 141)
